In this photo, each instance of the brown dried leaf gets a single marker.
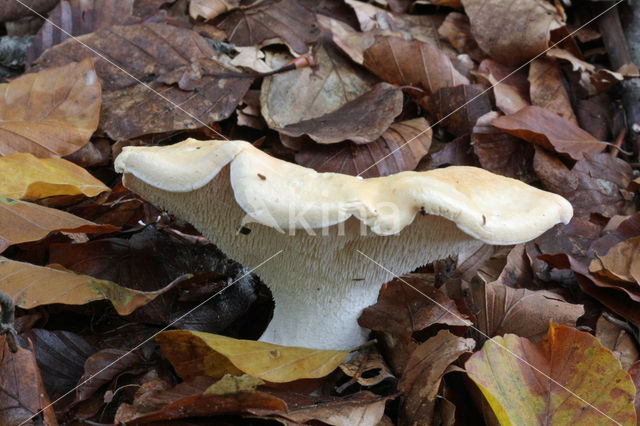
(596, 184)
(618, 341)
(512, 31)
(500, 152)
(457, 29)
(153, 53)
(622, 262)
(77, 17)
(50, 113)
(620, 298)
(271, 20)
(409, 305)
(510, 86)
(189, 399)
(421, 379)
(634, 371)
(209, 9)
(23, 394)
(102, 367)
(13, 10)
(458, 108)
(412, 63)
(550, 131)
(22, 222)
(400, 148)
(501, 309)
(361, 120)
(306, 93)
(548, 88)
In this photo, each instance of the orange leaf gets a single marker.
(51, 113)
(567, 378)
(22, 222)
(26, 177)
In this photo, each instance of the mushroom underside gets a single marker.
(320, 283)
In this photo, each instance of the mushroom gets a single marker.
(252, 205)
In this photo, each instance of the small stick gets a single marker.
(618, 143)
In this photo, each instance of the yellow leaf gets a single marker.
(30, 286)
(568, 378)
(194, 353)
(25, 177)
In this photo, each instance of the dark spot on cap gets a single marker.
(263, 177)
(244, 230)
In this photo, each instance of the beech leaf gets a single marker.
(50, 113)
(194, 353)
(535, 387)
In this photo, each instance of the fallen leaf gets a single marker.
(21, 222)
(458, 108)
(131, 108)
(501, 309)
(359, 409)
(626, 229)
(77, 17)
(26, 177)
(306, 93)
(23, 394)
(615, 295)
(60, 355)
(618, 341)
(510, 85)
(30, 286)
(458, 152)
(548, 88)
(457, 29)
(361, 120)
(400, 148)
(634, 371)
(536, 386)
(366, 368)
(621, 262)
(50, 113)
(187, 399)
(412, 63)
(402, 308)
(14, 10)
(596, 184)
(500, 152)
(271, 20)
(209, 9)
(591, 78)
(550, 131)
(512, 31)
(195, 353)
(427, 365)
(102, 367)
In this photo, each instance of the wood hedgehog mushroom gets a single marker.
(324, 221)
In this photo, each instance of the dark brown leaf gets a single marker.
(458, 152)
(458, 108)
(500, 152)
(421, 379)
(102, 367)
(361, 120)
(512, 31)
(400, 148)
(285, 20)
(13, 10)
(23, 394)
(550, 131)
(412, 63)
(77, 17)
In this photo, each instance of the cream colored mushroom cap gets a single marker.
(273, 192)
